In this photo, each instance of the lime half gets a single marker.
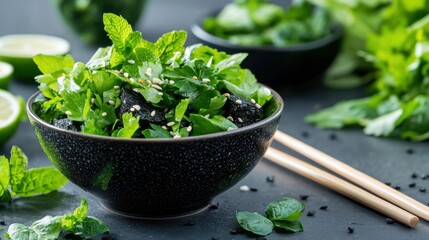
(19, 50)
(10, 113)
(6, 71)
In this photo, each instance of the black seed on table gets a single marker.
(270, 179)
(214, 206)
(189, 223)
(215, 238)
(253, 189)
(311, 213)
(2, 222)
(233, 231)
(422, 189)
(305, 134)
(397, 187)
(388, 183)
(390, 221)
(411, 185)
(351, 229)
(332, 136)
(324, 207)
(410, 151)
(303, 197)
(424, 177)
(414, 175)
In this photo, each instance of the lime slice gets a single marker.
(10, 113)
(6, 71)
(19, 50)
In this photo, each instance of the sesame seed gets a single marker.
(311, 213)
(137, 107)
(156, 80)
(160, 93)
(252, 101)
(132, 109)
(258, 106)
(116, 87)
(422, 189)
(152, 113)
(104, 114)
(195, 77)
(177, 136)
(135, 90)
(244, 188)
(170, 124)
(305, 134)
(230, 129)
(92, 100)
(253, 189)
(132, 80)
(303, 197)
(126, 74)
(205, 80)
(227, 95)
(240, 120)
(189, 129)
(121, 70)
(230, 118)
(411, 185)
(324, 207)
(390, 221)
(238, 101)
(207, 115)
(111, 102)
(171, 82)
(141, 81)
(94, 72)
(149, 72)
(351, 229)
(131, 61)
(68, 113)
(164, 127)
(156, 86)
(270, 179)
(410, 151)
(149, 81)
(414, 175)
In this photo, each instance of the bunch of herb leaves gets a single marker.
(183, 87)
(259, 22)
(400, 54)
(49, 228)
(17, 180)
(282, 214)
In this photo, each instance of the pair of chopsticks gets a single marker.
(389, 202)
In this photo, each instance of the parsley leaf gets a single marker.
(203, 125)
(255, 223)
(131, 124)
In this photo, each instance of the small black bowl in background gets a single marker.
(156, 178)
(280, 67)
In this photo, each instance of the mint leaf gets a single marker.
(131, 124)
(18, 165)
(255, 223)
(90, 227)
(284, 209)
(289, 226)
(39, 181)
(202, 125)
(48, 228)
(19, 231)
(232, 61)
(156, 132)
(117, 29)
(170, 43)
(4, 175)
(80, 212)
(209, 55)
(77, 105)
(51, 64)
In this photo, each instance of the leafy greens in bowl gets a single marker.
(136, 88)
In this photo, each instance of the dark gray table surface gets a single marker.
(385, 159)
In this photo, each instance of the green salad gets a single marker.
(136, 88)
(259, 22)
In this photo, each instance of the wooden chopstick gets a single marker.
(341, 186)
(369, 183)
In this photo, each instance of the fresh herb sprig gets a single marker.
(400, 53)
(17, 180)
(282, 214)
(137, 88)
(50, 228)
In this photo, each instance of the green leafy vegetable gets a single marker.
(255, 223)
(259, 22)
(400, 54)
(49, 228)
(282, 214)
(23, 182)
(137, 88)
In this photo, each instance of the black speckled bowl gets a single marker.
(296, 65)
(156, 178)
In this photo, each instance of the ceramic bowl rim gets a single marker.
(201, 34)
(276, 114)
